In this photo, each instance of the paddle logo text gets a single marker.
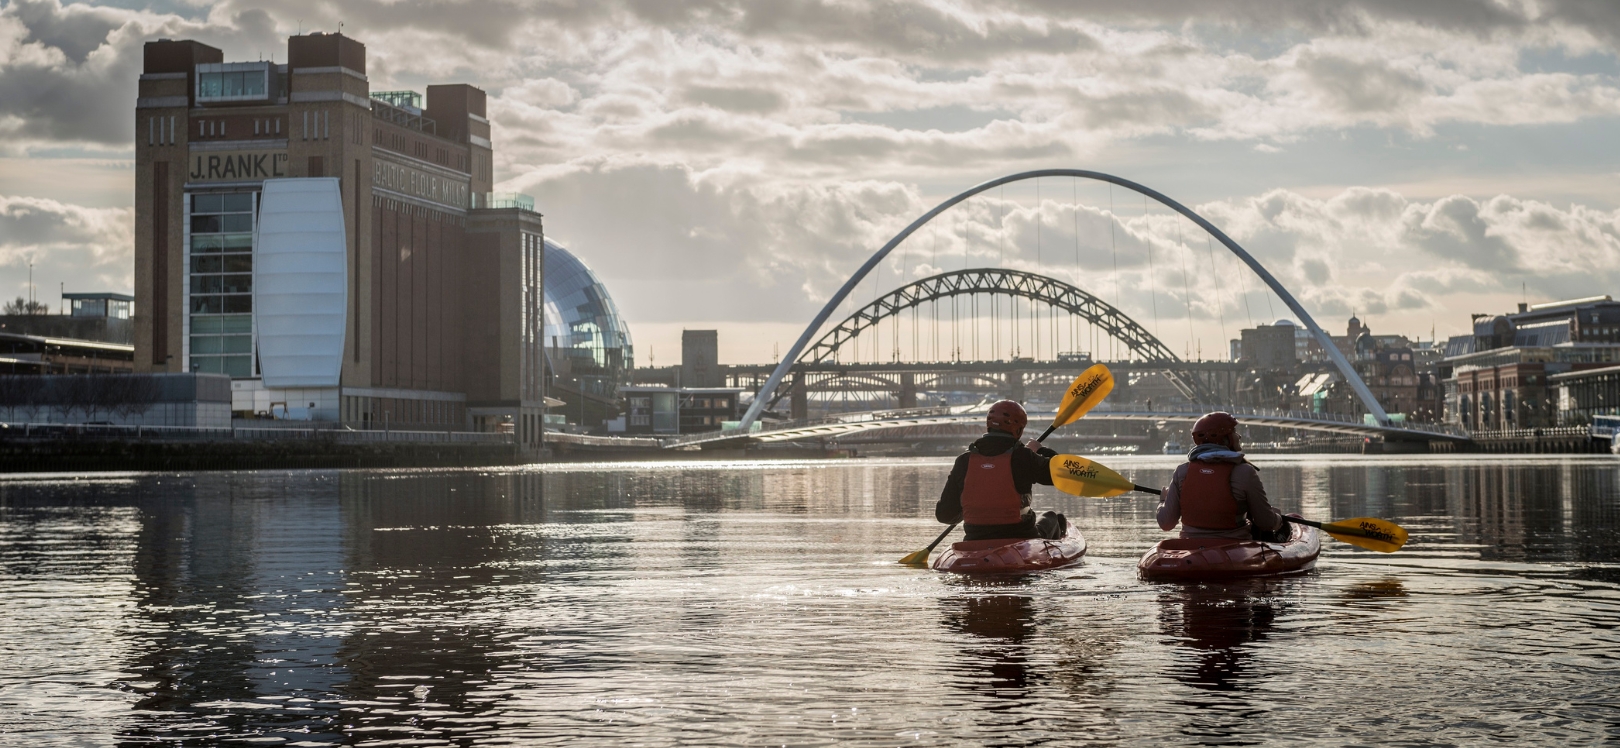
(1374, 532)
(1084, 390)
(1080, 469)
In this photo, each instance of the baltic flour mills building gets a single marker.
(336, 251)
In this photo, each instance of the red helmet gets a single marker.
(1214, 428)
(1007, 416)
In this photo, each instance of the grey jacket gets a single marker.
(1246, 488)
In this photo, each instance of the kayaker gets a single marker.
(1216, 493)
(989, 488)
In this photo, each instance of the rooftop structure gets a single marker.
(114, 305)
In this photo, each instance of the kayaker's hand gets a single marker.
(1034, 446)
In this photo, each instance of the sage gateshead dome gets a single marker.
(587, 342)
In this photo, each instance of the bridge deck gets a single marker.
(855, 423)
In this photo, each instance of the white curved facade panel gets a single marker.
(300, 282)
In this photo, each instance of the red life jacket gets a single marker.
(989, 495)
(1206, 497)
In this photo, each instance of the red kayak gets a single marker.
(1004, 556)
(1198, 559)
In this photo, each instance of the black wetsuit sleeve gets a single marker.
(1030, 468)
(949, 509)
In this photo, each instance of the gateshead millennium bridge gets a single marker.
(824, 362)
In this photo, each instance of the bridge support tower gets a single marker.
(799, 400)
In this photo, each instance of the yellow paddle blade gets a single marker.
(1073, 474)
(920, 558)
(1084, 393)
(1368, 532)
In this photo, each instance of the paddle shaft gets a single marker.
(1335, 530)
(1295, 520)
(1082, 477)
(1338, 528)
(930, 548)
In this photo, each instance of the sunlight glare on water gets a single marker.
(760, 604)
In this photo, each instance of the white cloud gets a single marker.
(741, 158)
(89, 249)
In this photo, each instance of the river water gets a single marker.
(759, 604)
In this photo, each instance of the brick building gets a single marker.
(1504, 375)
(439, 306)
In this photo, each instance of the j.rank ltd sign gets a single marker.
(209, 167)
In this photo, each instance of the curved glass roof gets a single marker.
(582, 322)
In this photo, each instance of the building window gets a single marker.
(233, 85)
(221, 286)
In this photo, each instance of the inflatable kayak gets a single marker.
(1004, 556)
(1216, 558)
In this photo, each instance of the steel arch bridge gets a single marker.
(1143, 345)
(1334, 355)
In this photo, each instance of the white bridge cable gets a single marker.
(1153, 274)
(1074, 190)
(1215, 277)
(1186, 289)
(1113, 246)
(1244, 288)
(934, 304)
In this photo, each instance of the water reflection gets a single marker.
(996, 661)
(743, 604)
(1374, 591)
(279, 616)
(429, 560)
(1501, 509)
(1217, 623)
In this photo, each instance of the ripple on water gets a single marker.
(749, 604)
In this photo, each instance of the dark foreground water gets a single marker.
(759, 604)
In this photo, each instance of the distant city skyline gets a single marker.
(726, 165)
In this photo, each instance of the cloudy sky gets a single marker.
(727, 164)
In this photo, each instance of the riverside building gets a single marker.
(1524, 370)
(427, 311)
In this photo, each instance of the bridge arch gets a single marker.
(1016, 284)
(1326, 342)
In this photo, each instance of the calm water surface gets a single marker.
(759, 604)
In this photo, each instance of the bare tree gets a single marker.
(14, 393)
(138, 393)
(105, 394)
(24, 306)
(33, 394)
(74, 393)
